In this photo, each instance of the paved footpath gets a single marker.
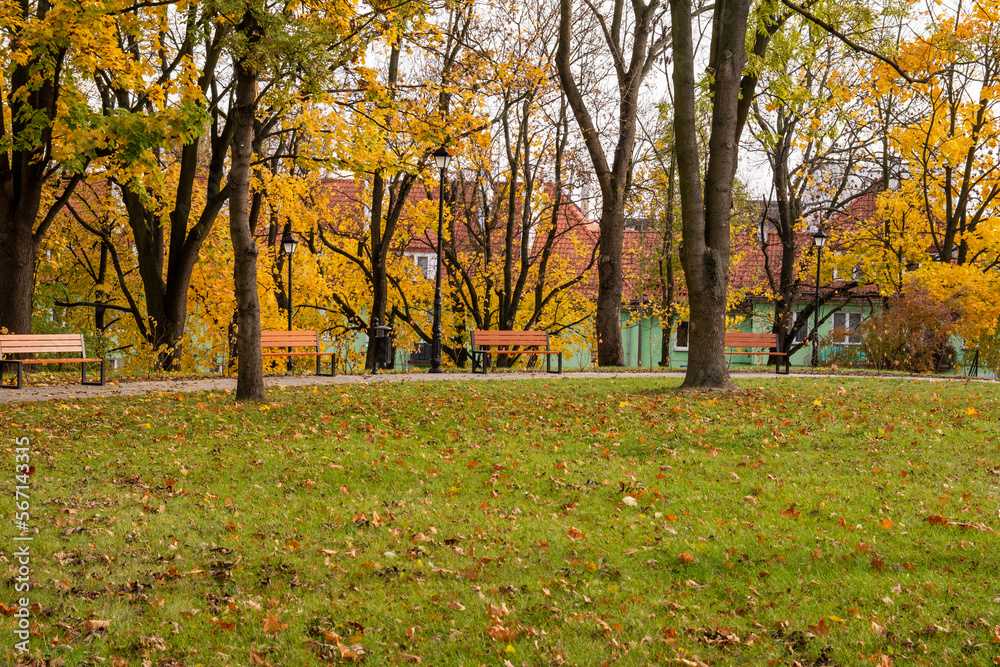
(142, 387)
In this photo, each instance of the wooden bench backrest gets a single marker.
(751, 340)
(482, 338)
(29, 343)
(290, 339)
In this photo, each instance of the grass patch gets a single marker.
(571, 521)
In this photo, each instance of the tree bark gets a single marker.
(250, 366)
(613, 178)
(705, 213)
(24, 170)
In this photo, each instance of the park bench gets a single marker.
(485, 343)
(294, 340)
(45, 343)
(768, 341)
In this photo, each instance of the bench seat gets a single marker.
(11, 344)
(298, 339)
(486, 343)
(747, 342)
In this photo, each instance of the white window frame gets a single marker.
(842, 321)
(430, 267)
(803, 333)
(677, 330)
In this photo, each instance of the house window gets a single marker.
(681, 336)
(426, 263)
(803, 332)
(845, 328)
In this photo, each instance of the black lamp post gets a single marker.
(441, 159)
(819, 238)
(288, 244)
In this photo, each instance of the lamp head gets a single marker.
(288, 242)
(819, 238)
(442, 157)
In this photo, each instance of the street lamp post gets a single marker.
(819, 238)
(288, 244)
(441, 159)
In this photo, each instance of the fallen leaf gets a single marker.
(93, 626)
(223, 624)
(821, 629)
(790, 512)
(273, 624)
(686, 557)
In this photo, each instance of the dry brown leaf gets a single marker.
(821, 629)
(273, 624)
(223, 624)
(352, 652)
(259, 658)
(92, 626)
(153, 642)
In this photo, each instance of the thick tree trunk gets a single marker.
(705, 214)
(250, 367)
(17, 275)
(23, 172)
(610, 350)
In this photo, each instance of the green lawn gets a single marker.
(805, 521)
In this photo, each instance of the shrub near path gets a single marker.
(567, 522)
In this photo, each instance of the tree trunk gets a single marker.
(610, 351)
(17, 275)
(250, 367)
(24, 170)
(614, 179)
(666, 264)
(705, 213)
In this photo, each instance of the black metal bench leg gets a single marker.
(548, 363)
(20, 378)
(83, 375)
(319, 364)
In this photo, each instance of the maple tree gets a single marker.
(936, 228)
(52, 53)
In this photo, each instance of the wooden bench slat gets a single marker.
(27, 349)
(289, 339)
(58, 360)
